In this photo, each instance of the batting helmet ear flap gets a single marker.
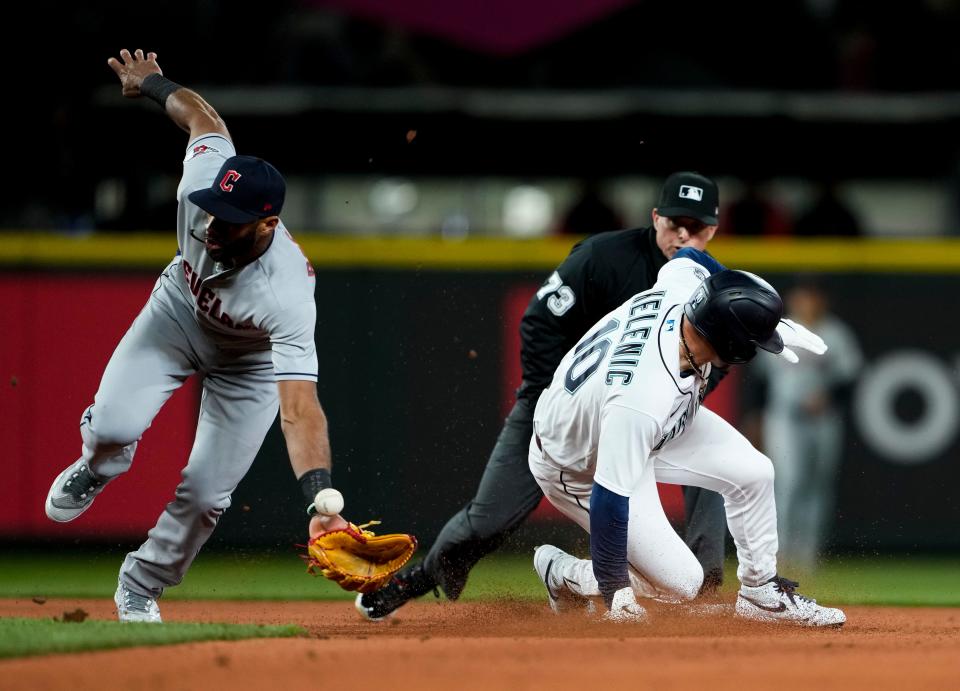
(737, 312)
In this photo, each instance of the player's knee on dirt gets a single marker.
(687, 585)
(682, 585)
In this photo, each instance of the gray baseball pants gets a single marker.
(163, 347)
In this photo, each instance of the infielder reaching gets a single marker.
(235, 305)
(623, 413)
(595, 278)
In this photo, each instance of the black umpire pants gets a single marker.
(508, 494)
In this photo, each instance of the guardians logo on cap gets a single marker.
(245, 189)
(692, 195)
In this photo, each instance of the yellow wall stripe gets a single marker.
(142, 250)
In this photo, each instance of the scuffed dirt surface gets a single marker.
(507, 644)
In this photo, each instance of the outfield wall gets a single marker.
(417, 345)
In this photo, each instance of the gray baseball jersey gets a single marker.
(267, 304)
(243, 329)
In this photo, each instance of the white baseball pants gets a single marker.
(710, 454)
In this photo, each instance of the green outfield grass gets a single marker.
(21, 637)
(897, 580)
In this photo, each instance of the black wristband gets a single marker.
(313, 481)
(158, 88)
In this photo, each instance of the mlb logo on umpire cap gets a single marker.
(246, 189)
(691, 195)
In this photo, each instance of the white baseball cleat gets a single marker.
(73, 492)
(134, 607)
(777, 601)
(546, 559)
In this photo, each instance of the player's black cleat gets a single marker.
(395, 594)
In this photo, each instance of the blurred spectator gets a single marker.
(828, 215)
(754, 213)
(803, 424)
(590, 213)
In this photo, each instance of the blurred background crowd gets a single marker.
(817, 117)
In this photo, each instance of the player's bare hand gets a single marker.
(321, 524)
(133, 68)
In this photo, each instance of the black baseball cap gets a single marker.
(690, 194)
(245, 189)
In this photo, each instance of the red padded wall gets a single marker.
(58, 334)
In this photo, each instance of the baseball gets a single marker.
(328, 502)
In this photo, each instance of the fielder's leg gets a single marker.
(151, 361)
(237, 410)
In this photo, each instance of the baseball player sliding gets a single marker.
(595, 278)
(235, 305)
(623, 413)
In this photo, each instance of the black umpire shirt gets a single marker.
(600, 274)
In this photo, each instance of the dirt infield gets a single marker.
(508, 645)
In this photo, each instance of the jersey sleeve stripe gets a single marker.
(206, 136)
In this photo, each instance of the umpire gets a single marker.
(598, 275)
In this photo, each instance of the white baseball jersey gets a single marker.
(265, 305)
(618, 395)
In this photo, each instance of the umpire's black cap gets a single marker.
(245, 189)
(690, 194)
(737, 312)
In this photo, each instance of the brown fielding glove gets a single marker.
(358, 559)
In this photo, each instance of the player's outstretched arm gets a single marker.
(140, 75)
(304, 427)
